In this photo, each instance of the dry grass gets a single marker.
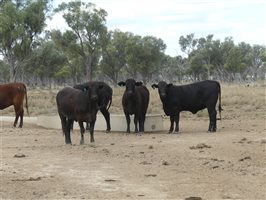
(237, 100)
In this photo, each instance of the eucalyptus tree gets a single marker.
(258, 61)
(144, 55)
(172, 68)
(66, 42)
(4, 71)
(21, 22)
(188, 43)
(87, 24)
(114, 54)
(46, 63)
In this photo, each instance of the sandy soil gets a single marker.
(229, 164)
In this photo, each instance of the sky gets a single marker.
(244, 20)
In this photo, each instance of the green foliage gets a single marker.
(4, 70)
(188, 43)
(46, 60)
(88, 28)
(20, 24)
(144, 55)
(235, 62)
(114, 54)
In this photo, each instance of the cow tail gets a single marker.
(25, 91)
(110, 102)
(220, 101)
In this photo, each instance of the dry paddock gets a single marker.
(229, 164)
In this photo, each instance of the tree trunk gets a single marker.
(88, 68)
(12, 71)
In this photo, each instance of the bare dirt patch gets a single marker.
(229, 164)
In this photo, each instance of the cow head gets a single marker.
(130, 85)
(95, 90)
(162, 88)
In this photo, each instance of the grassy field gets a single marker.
(237, 100)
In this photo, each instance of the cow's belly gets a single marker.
(89, 117)
(3, 106)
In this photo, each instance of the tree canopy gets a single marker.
(87, 50)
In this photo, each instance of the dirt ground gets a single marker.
(228, 164)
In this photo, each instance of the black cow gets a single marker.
(192, 97)
(104, 98)
(135, 101)
(76, 105)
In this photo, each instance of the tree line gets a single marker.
(87, 50)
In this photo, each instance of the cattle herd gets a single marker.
(82, 102)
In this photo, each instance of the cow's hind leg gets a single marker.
(21, 114)
(212, 117)
(82, 130)
(106, 115)
(69, 124)
(92, 131)
(177, 123)
(65, 129)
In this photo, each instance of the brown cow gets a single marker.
(13, 94)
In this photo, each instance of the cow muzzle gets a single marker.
(94, 97)
(162, 95)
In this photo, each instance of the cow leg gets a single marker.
(82, 131)
(212, 117)
(65, 129)
(128, 122)
(21, 114)
(106, 115)
(17, 116)
(136, 123)
(87, 126)
(92, 131)
(172, 120)
(141, 123)
(177, 123)
(69, 124)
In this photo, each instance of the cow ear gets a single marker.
(154, 86)
(138, 83)
(121, 83)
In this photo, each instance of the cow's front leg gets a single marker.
(172, 120)
(92, 131)
(128, 122)
(82, 130)
(176, 118)
(136, 123)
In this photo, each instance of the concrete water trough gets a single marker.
(153, 123)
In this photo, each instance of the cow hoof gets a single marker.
(139, 133)
(107, 131)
